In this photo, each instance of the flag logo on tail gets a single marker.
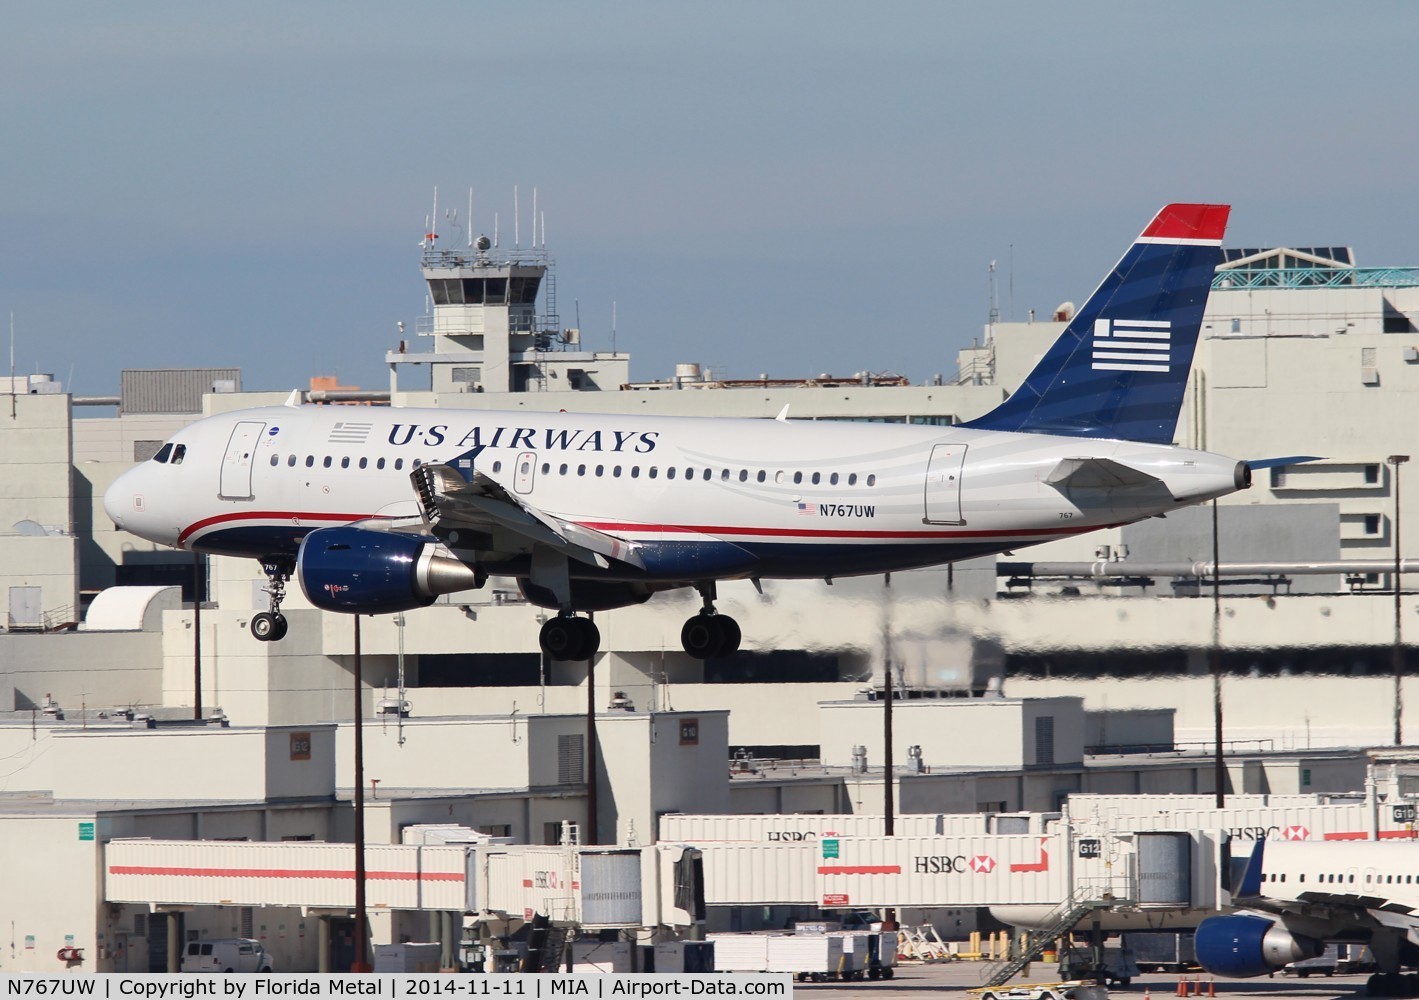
(1132, 345)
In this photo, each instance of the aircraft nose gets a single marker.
(121, 498)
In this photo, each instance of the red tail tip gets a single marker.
(1189, 222)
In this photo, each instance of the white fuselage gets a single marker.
(801, 498)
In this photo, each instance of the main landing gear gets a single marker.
(709, 634)
(270, 626)
(567, 637)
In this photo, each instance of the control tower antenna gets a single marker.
(470, 218)
(534, 218)
(433, 236)
(994, 309)
(496, 244)
(544, 230)
(516, 221)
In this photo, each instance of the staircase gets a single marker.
(1060, 921)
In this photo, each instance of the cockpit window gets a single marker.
(164, 453)
(179, 452)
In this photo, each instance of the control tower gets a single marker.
(488, 335)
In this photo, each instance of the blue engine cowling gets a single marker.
(1243, 945)
(363, 572)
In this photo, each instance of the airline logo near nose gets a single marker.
(1132, 345)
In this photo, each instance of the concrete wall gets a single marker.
(208, 762)
(97, 670)
(976, 732)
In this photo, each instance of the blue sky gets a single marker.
(788, 188)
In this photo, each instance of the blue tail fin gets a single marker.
(1120, 367)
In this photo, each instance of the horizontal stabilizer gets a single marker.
(1272, 463)
(1098, 474)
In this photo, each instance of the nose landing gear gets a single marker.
(271, 626)
(709, 634)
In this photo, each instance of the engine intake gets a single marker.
(1242, 945)
(363, 572)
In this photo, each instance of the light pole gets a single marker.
(1396, 461)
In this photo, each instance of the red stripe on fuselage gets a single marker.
(299, 517)
(717, 530)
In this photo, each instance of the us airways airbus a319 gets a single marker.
(380, 511)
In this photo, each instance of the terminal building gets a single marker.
(1083, 666)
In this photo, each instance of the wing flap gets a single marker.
(451, 502)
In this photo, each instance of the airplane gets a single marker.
(1293, 897)
(378, 511)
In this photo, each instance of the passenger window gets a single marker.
(275, 460)
(600, 469)
(581, 470)
(670, 472)
(653, 472)
(379, 463)
(872, 480)
(309, 461)
(326, 463)
(498, 466)
(724, 475)
(364, 462)
(546, 467)
(816, 477)
(616, 472)
(524, 470)
(779, 476)
(562, 471)
(291, 461)
(416, 463)
(706, 475)
(345, 462)
(179, 452)
(635, 471)
(762, 475)
(797, 478)
(743, 475)
(852, 479)
(164, 453)
(833, 479)
(398, 464)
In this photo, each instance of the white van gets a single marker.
(226, 955)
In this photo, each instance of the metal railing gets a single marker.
(1316, 277)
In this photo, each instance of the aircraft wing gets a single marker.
(1324, 908)
(455, 506)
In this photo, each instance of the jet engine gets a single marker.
(364, 572)
(590, 595)
(1242, 945)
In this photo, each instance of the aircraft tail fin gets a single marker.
(1120, 367)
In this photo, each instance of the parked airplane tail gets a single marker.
(1120, 367)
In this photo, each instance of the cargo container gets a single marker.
(411, 956)
(815, 957)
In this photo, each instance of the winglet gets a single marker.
(783, 414)
(1250, 885)
(294, 399)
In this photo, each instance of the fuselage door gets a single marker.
(525, 472)
(943, 484)
(236, 464)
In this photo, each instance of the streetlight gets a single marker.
(1397, 461)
